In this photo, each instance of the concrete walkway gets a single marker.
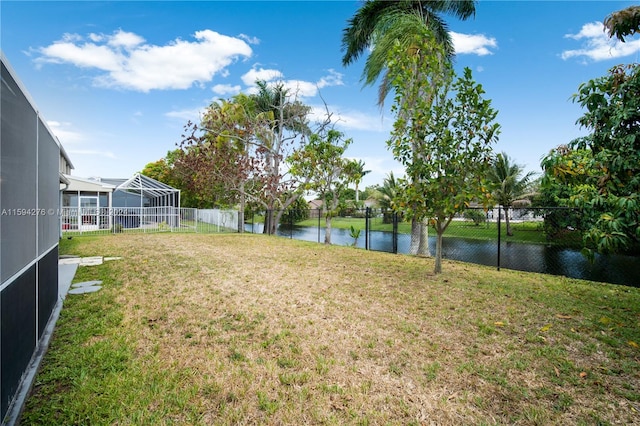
(66, 272)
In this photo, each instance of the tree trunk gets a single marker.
(506, 219)
(415, 237)
(327, 229)
(269, 228)
(357, 196)
(438, 265)
(423, 247)
(241, 209)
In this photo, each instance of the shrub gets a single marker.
(477, 216)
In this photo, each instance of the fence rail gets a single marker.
(95, 221)
(545, 240)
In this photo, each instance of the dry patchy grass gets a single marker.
(249, 329)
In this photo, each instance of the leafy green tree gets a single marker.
(566, 173)
(508, 183)
(242, 144)
(612, 115)
(623, 23)
(382, 27)
(453, 136)
(320, 162)
(216, 153)
(477, 216)
(296, 212)
(168, 170)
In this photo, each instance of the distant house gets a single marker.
(315, 207)
(372, 203)
(92, 204)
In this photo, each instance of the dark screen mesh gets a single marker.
(18, 133)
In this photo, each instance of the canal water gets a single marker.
(546, 259)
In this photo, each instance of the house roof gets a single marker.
(315, 204)
(143, 185)
(82, 184)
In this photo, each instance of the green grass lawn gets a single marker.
(226, 329)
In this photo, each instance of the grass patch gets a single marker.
(249, 329)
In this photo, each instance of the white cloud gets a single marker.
(305, 89)
(351, 119)
(590, 30)
(250, 77)
(186, 114)
(297, 88)
(249, 39)
(125, 39)
(65, 133)
(334, 78)
(226, 89)
(597, 46)
(128, 62)
(476, 44)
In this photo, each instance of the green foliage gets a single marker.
(355, 234)
(237, 152)
(296, 212)
(507, 180)
(508, 183)
(477, 216)
(380, 24)
(566, 173)
(321, 165)
(171, 170)
(443, 141)
(387, 196)
(611, 189)
(623, 23)
(357, 171)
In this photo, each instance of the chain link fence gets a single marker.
(543, 240)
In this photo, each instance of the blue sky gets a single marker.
(116, 81)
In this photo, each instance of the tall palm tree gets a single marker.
(378, 18)
(358, 173)
(387, 194)
(381, 24)
(509, 183)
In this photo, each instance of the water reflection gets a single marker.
(616, 269)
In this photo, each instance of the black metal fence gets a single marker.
(543, 240)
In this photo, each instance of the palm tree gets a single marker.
(379, 18)
(387, 194)
(277, 112)
(381, 24)
(358, 173)
(510, 185)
